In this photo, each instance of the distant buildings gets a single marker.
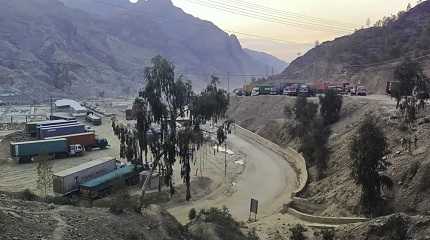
(70, 106)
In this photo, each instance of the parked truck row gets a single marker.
(301, 89)
(55, 139)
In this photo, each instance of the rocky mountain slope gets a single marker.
(369, 55)
(51, 48)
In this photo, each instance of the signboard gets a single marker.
(253, 209)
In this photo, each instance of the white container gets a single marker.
(68, 181)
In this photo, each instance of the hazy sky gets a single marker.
(350, 13)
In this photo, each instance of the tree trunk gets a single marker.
(145, 185)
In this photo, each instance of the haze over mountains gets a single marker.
(86, 47)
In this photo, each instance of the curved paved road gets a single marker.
(267, 177)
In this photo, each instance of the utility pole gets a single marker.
(228, 85)
(51, 106)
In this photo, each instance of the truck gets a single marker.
(67, 181)
(94, 119)
(305, 91)
(248, 89)
(87, 139)
(24, 152)
(60, 130)
(361, 91)
(101, 186)
(261, 90)
(291, 90)
(32, 127)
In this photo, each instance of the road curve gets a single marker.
(267, 177)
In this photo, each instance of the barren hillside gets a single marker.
(337, 194)
(369, 55)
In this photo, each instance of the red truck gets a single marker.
(87, 139)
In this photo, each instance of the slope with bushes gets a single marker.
(336, 194)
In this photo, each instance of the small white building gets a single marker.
(70, 106)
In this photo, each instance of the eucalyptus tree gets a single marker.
(160, 103)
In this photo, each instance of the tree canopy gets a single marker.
(367, 150)
(162, 101)
(331, 105)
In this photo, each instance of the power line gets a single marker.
(269, 17)
(288, 14)
(309, 18)
(259, 36)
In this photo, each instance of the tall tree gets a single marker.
(412, 79)
(314, 146)
(44, 175)
(304, 114)
(331, 105)
(160, 103)
(367, 150)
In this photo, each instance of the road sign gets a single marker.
(253, 209)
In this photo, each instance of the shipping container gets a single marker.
(68, 181)
(24, 151)
(72, 123)
(32, 127)
(61, 130)
(100, 186)
(86, 139)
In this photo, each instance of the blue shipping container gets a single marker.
(34, 148)
(61, 130)
(32, 127)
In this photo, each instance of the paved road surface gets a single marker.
(267, 177)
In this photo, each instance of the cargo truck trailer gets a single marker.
(87, 139)
(24, 152)
(68, 181)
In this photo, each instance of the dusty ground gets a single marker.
(20, 220)
(16, 177)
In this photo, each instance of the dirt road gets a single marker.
(267, 177)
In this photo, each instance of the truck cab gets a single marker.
(76, 150)
(361, 91)
(255, 91)
(102, 143)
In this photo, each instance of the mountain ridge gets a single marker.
(361, 57)
(49, 48)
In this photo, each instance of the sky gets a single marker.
(289, 40)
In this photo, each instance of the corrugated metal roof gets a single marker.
(70, 103)
(119, 172)
(86, 165)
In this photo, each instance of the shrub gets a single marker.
(120, 202)
(252, 235)
(192, 214)
(28, 195)
(331, 105)
(297, 232)
(327, 234)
